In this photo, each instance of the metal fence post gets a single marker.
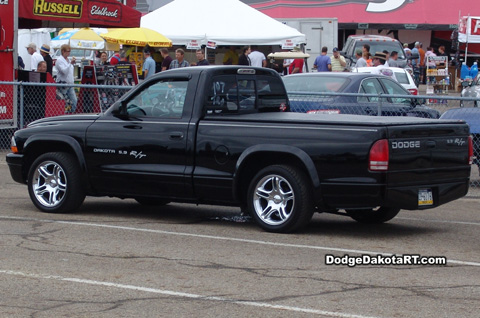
(21, 119)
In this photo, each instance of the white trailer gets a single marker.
(319, 32)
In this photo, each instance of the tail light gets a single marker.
(13, 145)
(379, 156)
(413, 91)
(470, 150)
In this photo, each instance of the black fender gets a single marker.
(301, 155)
(68, 141)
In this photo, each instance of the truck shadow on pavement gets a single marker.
(176, 213)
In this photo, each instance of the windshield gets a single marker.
(381, 46)
(315, 83)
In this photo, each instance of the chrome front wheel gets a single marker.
(49, 183)
(55, 183)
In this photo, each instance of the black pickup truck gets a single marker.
(224, 135)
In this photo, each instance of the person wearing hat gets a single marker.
(379, 60)
(338, 61)
(35, 56)
(45, 52)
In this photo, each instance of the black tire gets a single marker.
(280, 188)
(55, 183)
(373, 216)
(152, 201)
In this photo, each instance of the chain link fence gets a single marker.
(39, 100)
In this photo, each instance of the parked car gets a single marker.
(472, 117)
(402, 75)
(378, 43)
(305, 94)
(471, 89)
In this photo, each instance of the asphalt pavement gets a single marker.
(116, 258)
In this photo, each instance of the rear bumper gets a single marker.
(345, 196)
(15, 164)
(407, 197)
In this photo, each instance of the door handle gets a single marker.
(431, 144)
(176, 135)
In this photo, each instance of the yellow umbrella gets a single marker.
(137, 37)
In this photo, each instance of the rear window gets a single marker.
(246, 94)
(402, 77)
(317, 84)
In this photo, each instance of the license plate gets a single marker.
(425, 197)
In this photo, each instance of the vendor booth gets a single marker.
(31, 14)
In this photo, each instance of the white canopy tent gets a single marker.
(225, 22)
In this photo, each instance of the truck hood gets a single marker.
(63, 118)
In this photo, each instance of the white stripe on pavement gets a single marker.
(222, 238)
(184, 295)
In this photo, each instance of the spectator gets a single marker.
(338, 61)
(257, 58)
(45, 52)
(123, 58)
(441, 52)
(392, 62)
(42, 66)
(65, 76)
(201, 58)
(323, 62)
(422, 63)
(21, 65)
(103, 58)
(114, 59)
(361, 62)
(243, 58)
(286, 65)
(148, 64)
(408, 53)
(230, 57)
(379, 60)
(167, 59)
(416, 62)
(180, 61)
(367, 55)
(388, 57)
(36, 57)
(296, 66)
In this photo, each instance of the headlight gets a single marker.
(13, 145)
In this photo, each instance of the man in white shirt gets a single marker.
(65, 68)
(257, 58)
(35, 56)
(379, 60)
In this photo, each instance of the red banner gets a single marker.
(369, 11)
(6, 56)
(107, 13)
